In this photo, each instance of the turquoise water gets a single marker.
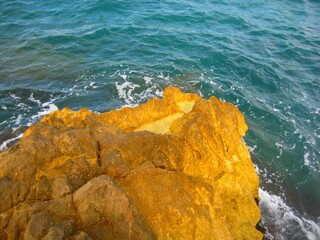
(263, 56)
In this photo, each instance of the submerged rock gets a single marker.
(172, 168)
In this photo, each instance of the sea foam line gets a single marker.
(5, 144)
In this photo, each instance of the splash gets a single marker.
(282, 222)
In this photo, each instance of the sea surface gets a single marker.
(263, 56)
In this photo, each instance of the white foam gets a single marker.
(159, 93)
(4, 122)
(167, 78)
(48, 107)
(123, 76)
(15, 97)
(251, 149)
(133, 93)
(306, 159)
(280, 147)
(32, 99)
(277, 216)
(22, 105)
(125, 91)
(317, 111)
(22, 114)
(92, 85)
(4, 145)
(147, 79)
(18, 120)
(257, 169)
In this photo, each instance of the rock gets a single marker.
(81, 236)
(55, 233)
(60, 188)
(172, 168)
(37, 226)
(108, 213)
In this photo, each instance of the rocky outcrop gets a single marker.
(172, 168)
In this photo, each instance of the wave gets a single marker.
(282, 222)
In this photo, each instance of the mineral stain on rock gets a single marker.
(172, 168)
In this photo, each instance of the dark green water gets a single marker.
(263, 56)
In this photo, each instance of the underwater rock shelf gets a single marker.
(172, 168)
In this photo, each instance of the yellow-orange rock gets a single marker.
(172, 168)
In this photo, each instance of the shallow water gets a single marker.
(263, 56)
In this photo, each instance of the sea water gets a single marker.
(263, 56)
